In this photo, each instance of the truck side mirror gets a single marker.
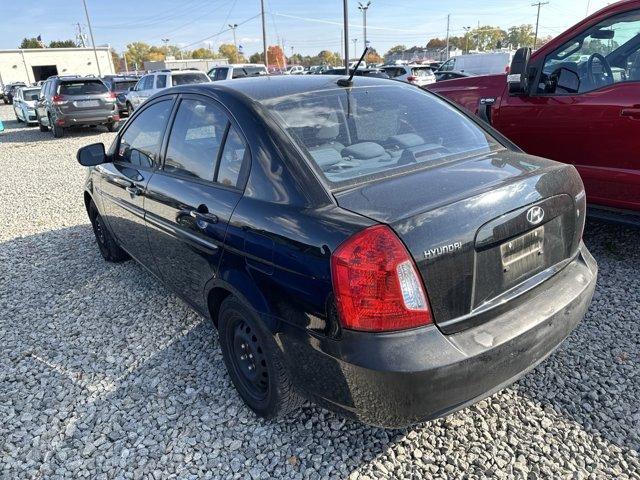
(517, 79)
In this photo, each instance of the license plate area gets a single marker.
(523, 254)
(86, 103)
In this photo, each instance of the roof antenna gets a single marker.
(347, 82)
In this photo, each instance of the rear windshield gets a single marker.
(83, 87)
(239, 72)
(122, 86)
(421, 72)
(363, 132)
(31, 94)
(187, 78)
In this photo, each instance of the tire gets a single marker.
(43, 128)
(57, 130)
(266, 388)
(6, 102)
(111, 126)
(107, 245)
(129, 109)
(18, 118)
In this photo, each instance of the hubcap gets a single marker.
(250, 360)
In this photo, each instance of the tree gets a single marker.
(373, 56)
(520, 36)
(326, 57)
(437, 43)
(276, 56)
(137, 53)
(256, 58)
(396, 49)
(118, 62)
(157, 54)
(203, 53)
(63, 44)
(30, 43)
(296, 59)
(488, 37)
(230, 52)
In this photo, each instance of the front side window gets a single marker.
(146, 83)
(221, 73)
(140, 143)
(363, 131)
(602, 55)
(195, 140)
(161, 81)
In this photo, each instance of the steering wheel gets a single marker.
(598, 79)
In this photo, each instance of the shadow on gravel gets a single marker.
(19, 133)
(151, 391)
(594, 378)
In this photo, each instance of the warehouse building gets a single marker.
(30, 65)
(171, 63)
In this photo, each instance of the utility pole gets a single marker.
(341, 44)
(233, 27)
(355, 45)
(363, 9)
(80, 36)
(448, 22)
(264, 36)
(345, 20)
(539, 4)
(93, 43)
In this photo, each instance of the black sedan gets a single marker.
(367, 246)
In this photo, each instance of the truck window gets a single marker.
(602, 55)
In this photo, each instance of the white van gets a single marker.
(479, 63)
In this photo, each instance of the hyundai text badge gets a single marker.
(535, 215)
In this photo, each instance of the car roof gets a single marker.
(273, 86)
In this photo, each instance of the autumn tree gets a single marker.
(326, 57)
(203, 53)
(396, 49)
(276, 56)
(230, 52)
(437, 43)
(373, 56)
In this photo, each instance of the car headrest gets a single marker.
(325, 156)
(364, 151)
(328, 132)
(406, 140)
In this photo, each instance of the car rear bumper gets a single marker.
(397, 379)
(93, 117)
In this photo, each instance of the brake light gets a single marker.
(507, 69)
(111, 97)
(411, 78)
(376, 283)
(57, 99)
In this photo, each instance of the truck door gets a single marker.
(585, 109)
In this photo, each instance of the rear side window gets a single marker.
(188, 78)
(367, 131)
(240, 72)
(140, 143)
(232, 159)
(83, 87)
(161, 81)
(123, 86)
(195, 140)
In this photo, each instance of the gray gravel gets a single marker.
(105, 374)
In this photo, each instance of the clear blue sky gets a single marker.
(307, 26)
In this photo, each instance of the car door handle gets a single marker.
(203, 217)
(133, 190)
(632, 112)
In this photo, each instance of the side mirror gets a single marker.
(91, 155)
(518, 78)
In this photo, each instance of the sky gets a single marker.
(304, 26)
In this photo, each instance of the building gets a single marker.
(202, 64)
(420, 54)
(30, 65)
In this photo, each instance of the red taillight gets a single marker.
(57, 99)
(111, 96)
(411, 78)
(376, 283)
(507, 69)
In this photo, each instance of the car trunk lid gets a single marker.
(465, 224)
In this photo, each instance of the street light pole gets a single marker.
(363, 9)
(233, 27)
(93, 43)
(345, 16)
(355, 45)
(264, 36)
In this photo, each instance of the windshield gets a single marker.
(31, 94)
(354, 133)
(83, 87)
(123, 86)
(188, 78)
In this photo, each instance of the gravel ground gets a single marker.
(105, 374)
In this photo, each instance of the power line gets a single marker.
(218, 34)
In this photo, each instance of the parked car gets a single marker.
(295, 70)
(9, 89)
(419, 75)
(479, 63)
(120, 86)
(368, 247)
(153, 82)
(317, 69)
(574, 104)
(239, 70)
(24, 103)
(450, 75)
(75, 101)
(360, 72)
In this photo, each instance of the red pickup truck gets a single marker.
(575, 100)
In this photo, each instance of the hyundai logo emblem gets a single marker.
(535, 215)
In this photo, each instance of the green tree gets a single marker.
(118, 62)
(326, 57)
(63, 44)
(396, 49)
(137, 53)
(488, 37)
(520, 36)
(230, 52)
(30, 43)
(203, 53)
(256, 58)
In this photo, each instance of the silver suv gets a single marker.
(69, 101)
(156, 81)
